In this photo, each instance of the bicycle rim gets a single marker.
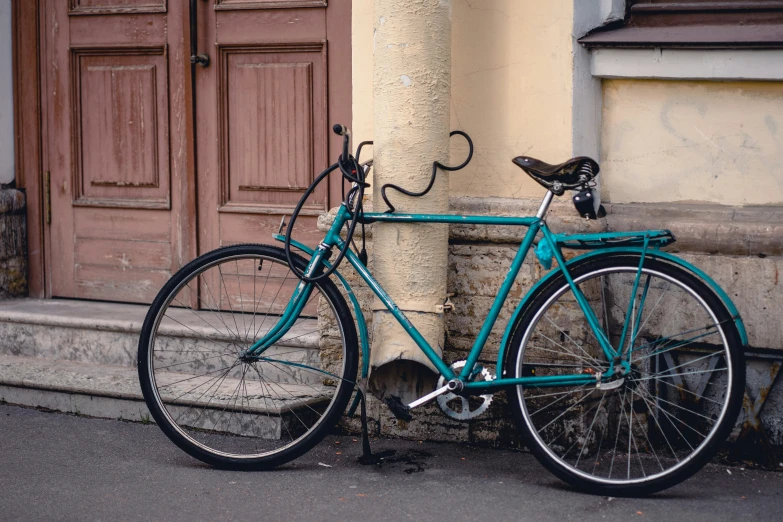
(666, 415)
(216, 404)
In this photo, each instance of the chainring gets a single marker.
(462, 408)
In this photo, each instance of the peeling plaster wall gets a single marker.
(511, 88)
(707, 142)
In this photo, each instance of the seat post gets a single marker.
(545, 204)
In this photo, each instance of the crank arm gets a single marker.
(429, 397)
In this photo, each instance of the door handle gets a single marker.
(195, 58)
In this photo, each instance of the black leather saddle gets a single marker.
(569, 175)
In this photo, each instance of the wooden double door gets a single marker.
(152, 161)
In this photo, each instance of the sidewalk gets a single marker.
(63, 467)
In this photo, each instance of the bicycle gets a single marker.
(623, 365)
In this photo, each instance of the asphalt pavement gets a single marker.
(64, 467)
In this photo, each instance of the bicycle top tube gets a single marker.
(377, 217)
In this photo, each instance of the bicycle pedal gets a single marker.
(398, 408)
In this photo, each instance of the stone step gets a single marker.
(80, 357)
(108, 333)
(114, 392)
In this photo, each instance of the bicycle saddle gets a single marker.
(557, 178)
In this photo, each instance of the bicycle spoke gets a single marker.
(660, 428)
(588, 356)
(590, 429)
(617, 437)
(663, 408)
(649, 443)
(554, 402)
(223, 401)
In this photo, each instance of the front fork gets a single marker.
(303, 290)
(296, 304)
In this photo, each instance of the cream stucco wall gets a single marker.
(511, 88)
(710, 142)
(362, 46)
(661, 141)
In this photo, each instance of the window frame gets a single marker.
(711, 24)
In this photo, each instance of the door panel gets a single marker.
(269, 92)
(272, 95)
(267, 4)
(78, 7)
(120, 127)
(116, 112)
(273, 122)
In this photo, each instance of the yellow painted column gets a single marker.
(411, 97)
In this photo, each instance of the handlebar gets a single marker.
(355, 172)
(345, 132)
(341, 130)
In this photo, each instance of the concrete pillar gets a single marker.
(411, 93)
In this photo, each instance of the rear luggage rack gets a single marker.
(654, 238)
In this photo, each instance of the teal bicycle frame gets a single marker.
(644, 243)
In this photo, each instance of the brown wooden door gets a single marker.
(115, 110)
(118, 131)
(280, 74)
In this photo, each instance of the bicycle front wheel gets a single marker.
(667, 416)
(215, 402)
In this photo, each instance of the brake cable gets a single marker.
(353, 172)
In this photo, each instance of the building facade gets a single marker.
(680, 102)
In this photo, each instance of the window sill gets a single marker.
(688, 64)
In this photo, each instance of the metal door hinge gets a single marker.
(47, 190)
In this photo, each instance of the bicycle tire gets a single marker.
(657, 393)
(241, 437)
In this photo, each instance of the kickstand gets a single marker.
(368, 458)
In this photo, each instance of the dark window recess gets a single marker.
(721, 24)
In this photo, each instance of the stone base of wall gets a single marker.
(13, 244)
(741, 248)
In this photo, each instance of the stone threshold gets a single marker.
(123, 383)
(123, 318)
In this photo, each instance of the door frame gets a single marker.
(30, 139)
(28, 136)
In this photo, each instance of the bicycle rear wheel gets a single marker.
(233, 411)
(659, 423)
